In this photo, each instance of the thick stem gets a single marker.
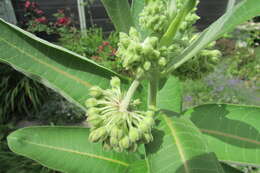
(126, 101)
(153, 87)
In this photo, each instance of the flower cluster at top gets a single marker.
(116, 127)
(142, 56)
(154, 17)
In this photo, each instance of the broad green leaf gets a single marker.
(240, 13)
(66, 72)
(174, 26)
(67, 149)
(170, 96)
(140, 166)
(232, 131)
(179, 147)
(119, 13)
(136, 8)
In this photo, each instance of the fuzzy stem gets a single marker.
(127, 99)
(153, 87)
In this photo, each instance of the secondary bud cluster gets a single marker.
(154, 16)
(202, 63)
(121, 130)
(139, 56)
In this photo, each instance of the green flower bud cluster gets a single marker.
(140, 57)
(154, 16)
(121, 130)
(201, 64)
(190, 19)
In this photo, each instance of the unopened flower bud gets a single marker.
(91, 102)
(134, 134)
(162, 61)
(114, 141)
(93, 111)
(115, 82)
(147, 65)
(95, 91)
(149, 121)
(125, 142)
(116, 132)
(97, 134)
(144, 127)
(133, 33)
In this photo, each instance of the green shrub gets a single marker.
(20, 96)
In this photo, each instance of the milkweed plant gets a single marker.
(137, 124)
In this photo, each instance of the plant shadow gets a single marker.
(205, 163)
(214, 122)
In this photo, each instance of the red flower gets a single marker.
(105, 43)
(41, 20)
(37, 11)
(63, 21)
(27, 4)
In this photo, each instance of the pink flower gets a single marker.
(63, 21)
(27, 4)
(41, 20)
(37, 11)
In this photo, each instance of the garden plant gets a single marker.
(137, 123)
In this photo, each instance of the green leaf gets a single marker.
(179, 147)
(174, 26)
(170, 96)
(67, 149)
(66, 72)
(136, 8)
(119, 13)
(232, 131)
(240, 13)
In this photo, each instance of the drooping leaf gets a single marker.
(174, 26)
(232, 131)
(170, 96)
(67, 149)
(119, 13)
(66, 72)
(240, 13)
(179, 147)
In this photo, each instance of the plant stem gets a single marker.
(126, 101)
(153, 87)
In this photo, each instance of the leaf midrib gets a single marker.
(177, 142)
(229, 136)
(73, 152)
(58, 70)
